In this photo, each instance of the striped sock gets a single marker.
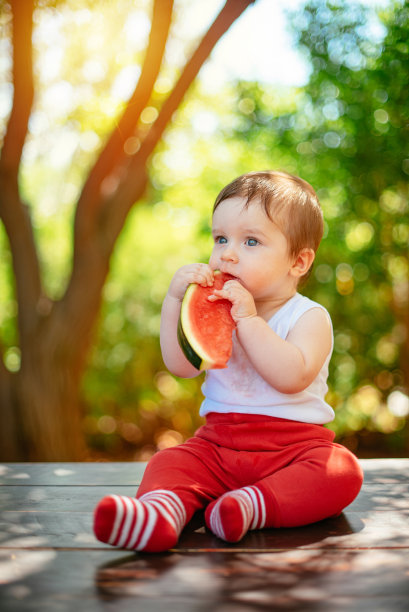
(232, 515)
(151, 523)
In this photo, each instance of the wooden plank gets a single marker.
(386, 471)
(348, 531)
(74, 530)
(47, 530)
(281, 580)
(58, 499)
(276, 579)
(68, 474)
(383, 497)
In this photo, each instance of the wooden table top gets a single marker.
(50, 559)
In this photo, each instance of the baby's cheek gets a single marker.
(213, 261)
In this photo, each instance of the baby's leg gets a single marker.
(176, 483)
(318, 484)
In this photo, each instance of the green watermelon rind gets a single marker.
(191, 348)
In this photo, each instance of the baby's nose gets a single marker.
(229, 254)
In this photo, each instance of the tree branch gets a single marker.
(23, 86)
(229, 13)
(113, 151)
(13, 212)
(131, 188)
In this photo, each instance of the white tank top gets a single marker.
(239, 388)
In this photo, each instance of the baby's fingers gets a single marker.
(219, 294)
(203, 275)
(203, 280)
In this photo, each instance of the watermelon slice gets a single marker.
(205, 328)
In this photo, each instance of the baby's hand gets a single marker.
(200, 273)
(243, 305)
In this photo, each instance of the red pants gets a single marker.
(303, 475)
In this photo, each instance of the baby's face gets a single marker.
(249, 246)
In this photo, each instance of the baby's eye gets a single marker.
(220, 240)
(252, 242)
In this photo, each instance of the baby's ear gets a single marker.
(302, 262)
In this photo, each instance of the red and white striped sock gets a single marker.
(151, 523)
(232, 515)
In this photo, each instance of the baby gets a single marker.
(263, 458)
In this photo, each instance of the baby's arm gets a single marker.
(292, 364)
(172, 354)
(288, 365)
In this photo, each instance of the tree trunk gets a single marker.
(10, 441)
(49, 413)
(39, 405)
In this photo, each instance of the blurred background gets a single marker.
(317, 88)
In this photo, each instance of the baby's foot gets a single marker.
(151, 523)
(232, 515)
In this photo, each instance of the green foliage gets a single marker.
(8, 311)
(348, 136)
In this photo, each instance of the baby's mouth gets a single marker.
(232, 277)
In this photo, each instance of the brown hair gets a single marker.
(288, 201)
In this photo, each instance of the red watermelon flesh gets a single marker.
(205, 328)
